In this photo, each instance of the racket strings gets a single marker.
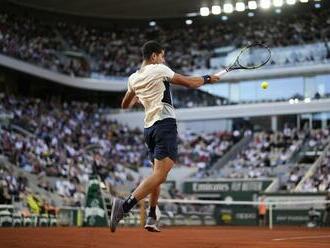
(254, 57)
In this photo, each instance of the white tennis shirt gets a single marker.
(151, 84)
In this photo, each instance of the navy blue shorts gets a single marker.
(161, 139)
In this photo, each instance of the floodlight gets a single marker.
(252, 4)
(216, 10)
(278, 3)
(240, 6)
(291, 2)
(265, 4)
(204, 11)
(228, 8)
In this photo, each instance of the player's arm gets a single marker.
(193, 81)
(129, 100)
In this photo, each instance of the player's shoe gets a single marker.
(152, 225)
(117, 213)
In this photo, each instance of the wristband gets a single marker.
(207, 79)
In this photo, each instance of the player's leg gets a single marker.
(152, 222)
(119, 208)
(161, 139)
(153, 201)
(159, 175)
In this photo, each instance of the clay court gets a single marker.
(170, 237)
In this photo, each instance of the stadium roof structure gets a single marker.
(126, 9)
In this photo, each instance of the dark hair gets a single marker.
(151, 47)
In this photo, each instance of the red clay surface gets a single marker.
(174, 237)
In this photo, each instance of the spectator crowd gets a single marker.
(70, 141)
(320, 181)
(64, 143)
(80, 50)
(11, 186)
(266, 152)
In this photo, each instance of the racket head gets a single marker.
(252, 56)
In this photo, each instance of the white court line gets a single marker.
(303, 237)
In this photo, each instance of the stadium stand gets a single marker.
(52, 143)
(264, 154)
(202, 150)
(320, 181)
(271, 155)
(81, 141)
(76, 150)
(11, 186)
(112, 52)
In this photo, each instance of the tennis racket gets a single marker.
(250, 57)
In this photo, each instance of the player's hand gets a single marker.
(214, 79)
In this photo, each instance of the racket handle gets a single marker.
(221, 73)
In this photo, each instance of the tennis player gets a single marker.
(150, 86)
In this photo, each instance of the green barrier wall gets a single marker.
(95, 211)
(249, 190)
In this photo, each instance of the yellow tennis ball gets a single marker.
(264, 85)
